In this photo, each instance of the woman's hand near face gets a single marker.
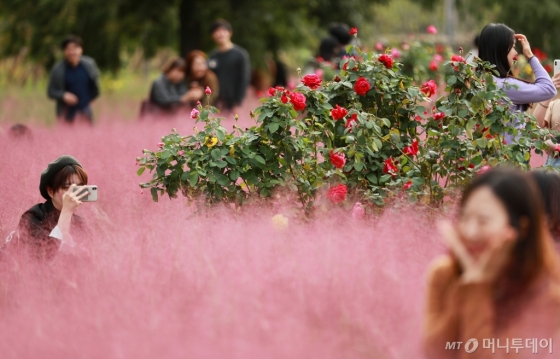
(525, 44)
(71, 200)
(487, 268)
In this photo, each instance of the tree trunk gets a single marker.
(190, 28)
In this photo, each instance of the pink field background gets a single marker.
(166, 281)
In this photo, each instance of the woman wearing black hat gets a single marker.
(47, 227)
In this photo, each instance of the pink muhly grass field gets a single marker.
(165, 281)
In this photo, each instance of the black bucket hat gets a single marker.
(53, 169)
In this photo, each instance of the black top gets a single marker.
(233, 69)
(165, 93)
(34, 228)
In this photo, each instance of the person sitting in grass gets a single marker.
(49, 226)
(169, 91)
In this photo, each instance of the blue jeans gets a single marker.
(70, 113)
(553, 162)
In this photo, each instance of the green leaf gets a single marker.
(451, 80)
(234, 175)
(185, 176)
(193, 180)
(216, 153)
(481, 142)
(358, 166)
(140, 171)
(260, 159)
(372, 178)
(165, 155)
(221, 164)
(154, 194)
(378, 143)
(384, 178)
(273, 127)
(223, 180)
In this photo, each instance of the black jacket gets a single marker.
(33, 232)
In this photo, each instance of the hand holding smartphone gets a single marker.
(92, 192)
(556, 67)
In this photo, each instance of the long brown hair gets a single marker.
(191, 56)
(533, 253)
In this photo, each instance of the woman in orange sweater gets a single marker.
(500, 284)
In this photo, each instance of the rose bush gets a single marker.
(367, 135)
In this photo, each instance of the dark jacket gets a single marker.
(56, 86)
(166, 94)
(33, 232)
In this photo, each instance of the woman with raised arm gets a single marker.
(497, 45)
(47, 227)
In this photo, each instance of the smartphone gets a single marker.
(556, 67)
(92, 193)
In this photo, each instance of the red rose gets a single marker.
(462, 168)
(339, 113)
(407, 185)
(298, 100)
(353, 31)
(362, 86)
(439, 116)
(390, 167)
(429, 88)
(337, 193)
(337, 159)
(271, 91)
(345, 66)
(386, 60)
(433, 65)
(312, 81)
(351, 121)
(411, 150)
(284, 98)
(541, 55)
(208, 91)
(457, 58)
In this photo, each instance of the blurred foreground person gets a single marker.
(500, 280)
(74, 82)
(231, 64)
(548, 184)
(198, 77)
(47, 227)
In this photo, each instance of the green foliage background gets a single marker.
(111, 27)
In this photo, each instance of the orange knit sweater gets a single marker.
(457, 312)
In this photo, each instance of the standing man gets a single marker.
(231, 64)
(74, 82)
